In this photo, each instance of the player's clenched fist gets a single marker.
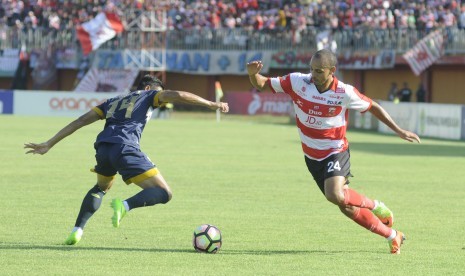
(254, 67)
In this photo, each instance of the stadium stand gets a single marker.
(243, 24)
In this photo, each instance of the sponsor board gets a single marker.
(404, 114)
(182, 61)
(57, 103)
(259, 103)
(6, 102)
(463, 122)
(439, 120)
(9, 61)
(426, 119)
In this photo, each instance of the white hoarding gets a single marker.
(426, 119)
(440, 120)
(404, 114)
(56, 103)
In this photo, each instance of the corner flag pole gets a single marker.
(218, 95)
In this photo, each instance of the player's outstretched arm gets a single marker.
(173, 96)
(253, 69)
(382, 115)
(43, 148)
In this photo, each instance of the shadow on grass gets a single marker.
(409, 149)
(59, 247)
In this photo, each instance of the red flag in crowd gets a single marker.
(97, 31)
(425, 52)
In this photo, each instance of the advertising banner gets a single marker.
(440, 120)
(463, 122)
(9, 60)
(259, 103)
(426, 119)
(192, 62)
(65, 58)
(56, 103)
(350, 61)
(6, 102)
(404, 114)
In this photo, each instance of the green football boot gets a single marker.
(118, 212)
(74, 237)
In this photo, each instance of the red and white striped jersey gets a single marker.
(321, 117)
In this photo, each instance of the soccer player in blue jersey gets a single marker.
(118, 149)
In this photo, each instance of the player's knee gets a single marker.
(335, 198)
(169, 195)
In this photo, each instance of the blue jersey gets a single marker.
(126, 116)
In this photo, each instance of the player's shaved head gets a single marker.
(149, 80)
(326, 57)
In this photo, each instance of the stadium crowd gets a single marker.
(249, 14)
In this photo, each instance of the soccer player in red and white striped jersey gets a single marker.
(321, 103)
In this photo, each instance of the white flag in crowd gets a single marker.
(107, 80)
(425, 52)
(97, 31)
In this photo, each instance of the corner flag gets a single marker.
(218, 91)
(218, 95)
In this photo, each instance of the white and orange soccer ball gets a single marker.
(207, 239)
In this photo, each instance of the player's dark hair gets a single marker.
(151, 81)
(326, 55)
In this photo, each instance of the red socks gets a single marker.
(367, 219)
(353, 198)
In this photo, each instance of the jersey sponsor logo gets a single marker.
(319, 98)
(301, 92)
(314, 112)
(313, 121)
(340, 90)
(334, 102)
(336, 97)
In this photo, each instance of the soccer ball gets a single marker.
(207, 239)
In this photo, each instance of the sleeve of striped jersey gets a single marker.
(358, 101)
(281, 84)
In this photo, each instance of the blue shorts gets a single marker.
(130, 162)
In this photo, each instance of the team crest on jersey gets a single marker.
(332, 111)
(303, 88)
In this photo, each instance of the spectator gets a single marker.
(392, 95)
(405, 93)
(421, 93)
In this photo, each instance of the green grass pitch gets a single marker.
(247, 176)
